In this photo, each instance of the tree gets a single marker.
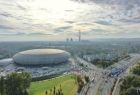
(54, 92)
(129, 85)
(80, 83)
(136, 69)
(131, 91)
(50, 91)
(2, 85)
(87, 79)
(46, 92)
(17, 83)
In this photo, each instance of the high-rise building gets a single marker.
(79, 36)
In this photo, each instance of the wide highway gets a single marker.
(103, 80)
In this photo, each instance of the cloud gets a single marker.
(85, 23)
(5, 27)
(96, 32)
(104, 22)
(21, 7)
(5, 14)
(112, 2)
(39, 34)
(70, 22)
(93, 18)
(8, 33)
(134, 20)
(62, 29)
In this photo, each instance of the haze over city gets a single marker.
(59, 19)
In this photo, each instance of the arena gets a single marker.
(38, 62)
(41, 57)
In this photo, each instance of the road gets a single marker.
(102, 81)
(94, 73)
(123, 65)
(90, 70)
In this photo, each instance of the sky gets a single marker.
(54, 20)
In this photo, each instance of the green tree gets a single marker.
(50, 91)
(54, 92)
(17, 83)
(87, 79)
(80, 83)
(136, 69)
(2, 85)
(131, 91)
(129, 85)
(46, 92)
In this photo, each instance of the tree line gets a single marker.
(136, 69)
(130, 85)
(55, 91)
(15, 84)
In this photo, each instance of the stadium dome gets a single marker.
(41, 57)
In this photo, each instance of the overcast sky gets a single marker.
(22, 20)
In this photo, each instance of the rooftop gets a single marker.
(42, 51)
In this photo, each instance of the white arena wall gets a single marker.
(41, 57)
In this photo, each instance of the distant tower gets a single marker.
(79, 36)
(67, 40)
(71, 39)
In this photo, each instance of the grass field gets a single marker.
(67, 82)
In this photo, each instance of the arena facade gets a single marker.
(41, 57)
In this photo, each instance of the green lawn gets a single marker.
(67, 82)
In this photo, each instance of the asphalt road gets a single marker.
(102, 83)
